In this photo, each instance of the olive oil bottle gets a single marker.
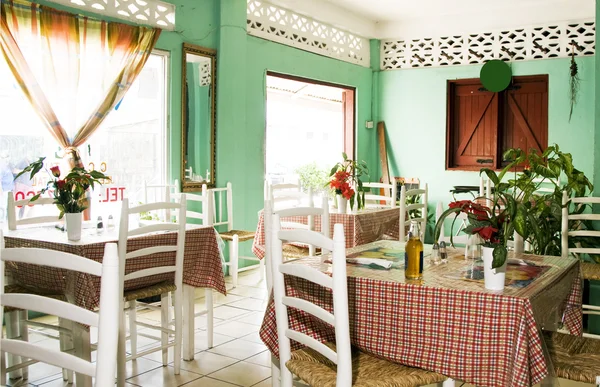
(413, 253)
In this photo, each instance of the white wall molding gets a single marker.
(526, 43)
(154, 13)
(273, 22)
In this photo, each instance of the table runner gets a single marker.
(202, 264)
(368, 225)
(453, 327)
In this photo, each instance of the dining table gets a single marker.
(360, 227)
(446, 322)
(202, 268)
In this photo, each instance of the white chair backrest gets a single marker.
(337, 283)
(412, 210)
(107, 320)
(178, 249)
(189, 173)
(288, 195)
(13, 206)
(375, 199)
(485, 188)
(309, 212)
(222, 199)
(200, 207)
(161, 193)
(457, 235)
(565, 233)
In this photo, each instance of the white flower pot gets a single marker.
(342, 204)
(73, 222)
(493, 278)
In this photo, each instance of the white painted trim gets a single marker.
(281, 25)
(523, 43)
(153, 13)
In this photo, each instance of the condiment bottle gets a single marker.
(435, 254)
(413, 253)
(443, 252)
(99, 226)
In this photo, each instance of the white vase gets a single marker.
(74, 226)
(493, 278)
(342, 204)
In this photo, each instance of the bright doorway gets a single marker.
(309, 125)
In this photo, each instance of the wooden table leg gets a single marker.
(81, 341)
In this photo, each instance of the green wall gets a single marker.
(413, 106)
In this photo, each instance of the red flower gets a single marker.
(486, 232)
(461, 203)
(60, 184)
(55, 171)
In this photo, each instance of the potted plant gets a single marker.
(493, 223)
(68, 192)
(345, 181)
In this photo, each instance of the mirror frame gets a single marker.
(212, 54)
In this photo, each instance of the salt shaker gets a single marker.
(110, 223)
(99, 226)
(435, 254)
(443, 252)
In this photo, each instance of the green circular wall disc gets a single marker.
(495, 75)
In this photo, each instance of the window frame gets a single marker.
(499, 119)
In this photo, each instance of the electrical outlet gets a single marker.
(369, 124)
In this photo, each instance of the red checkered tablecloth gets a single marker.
(451, 326)
(365, 226)
(202, 262)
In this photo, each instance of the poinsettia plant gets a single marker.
(345, 180)
(68, 192)
(492, 222)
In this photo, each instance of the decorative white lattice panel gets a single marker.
(527, 43)
(154, 13)
(205, 74)
(281, 25)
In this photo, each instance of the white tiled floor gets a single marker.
(238, 358)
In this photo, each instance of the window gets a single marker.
(481, 125)
(131, 144)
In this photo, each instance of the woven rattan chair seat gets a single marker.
(368, 371)
(292, 251)
(590, 271)
(243, 235)
(574, 358)
(14, 288)
(149, 291)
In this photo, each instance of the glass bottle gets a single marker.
(99, 226)
(443, 252)
(435, 254)
(413, 253)
(110, 225)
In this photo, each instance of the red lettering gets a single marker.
(114, 192)
(106, 196)
(17, 198)
(122, 189)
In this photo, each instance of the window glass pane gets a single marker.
(130, 145)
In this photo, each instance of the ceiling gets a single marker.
(409, 18)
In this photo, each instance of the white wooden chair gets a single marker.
(106, 320)
(153, 193)
(223, 216)
(566, 250)
(13, 206)
(461, 222)
(292, 251)
(375, 199)
(286, 195)
(199, 211)
(485, 189)
(308, 363)
(410, 210)
(128, 300)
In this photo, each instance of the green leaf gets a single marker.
(520, 221)
(499, 256)
(490, 174)
(440, 222)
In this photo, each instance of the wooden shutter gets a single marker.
(472, 125)
(525, 115)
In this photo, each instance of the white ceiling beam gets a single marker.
(333, 15)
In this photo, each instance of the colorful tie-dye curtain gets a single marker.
(72, 69)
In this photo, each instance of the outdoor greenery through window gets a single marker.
(130, 146)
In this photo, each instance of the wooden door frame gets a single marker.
(348, 104)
